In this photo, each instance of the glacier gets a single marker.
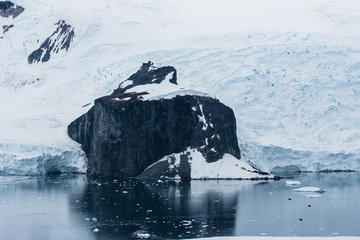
(20, 159)
(292, 76)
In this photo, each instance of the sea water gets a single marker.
(80, 207)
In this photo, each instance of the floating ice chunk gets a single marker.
(313, 195)
(186, 222)
(309, 189)
(96, 230)
(293, 183)
(143, 235)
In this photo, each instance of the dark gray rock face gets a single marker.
(59, 40)
(9, 9)
(122, 135)
(6, 28)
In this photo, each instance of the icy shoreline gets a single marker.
(25, 159)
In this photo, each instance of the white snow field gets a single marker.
(289, 70)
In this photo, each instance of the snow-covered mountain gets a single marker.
(290, 72)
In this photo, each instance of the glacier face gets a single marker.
(21, 159)
(293, 85)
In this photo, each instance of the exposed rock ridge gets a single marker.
(148, 74)
(6, 28)
(59, 40)
(9, 9)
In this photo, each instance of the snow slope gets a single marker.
(290, 71)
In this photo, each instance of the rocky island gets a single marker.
(150, 127)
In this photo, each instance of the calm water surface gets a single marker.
(75, 207)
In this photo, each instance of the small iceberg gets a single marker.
(293, 183)
(143, 235)
(309, 189)
(313, 195)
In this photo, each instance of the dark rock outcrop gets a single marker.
(148, 74)
(123, 135)
(9, 9)
(6, 28)
(59, 40)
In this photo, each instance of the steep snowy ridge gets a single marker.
(294, 88)
(59, 40)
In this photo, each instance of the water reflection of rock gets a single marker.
(168, 209)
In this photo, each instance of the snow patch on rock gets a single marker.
(228, 167)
